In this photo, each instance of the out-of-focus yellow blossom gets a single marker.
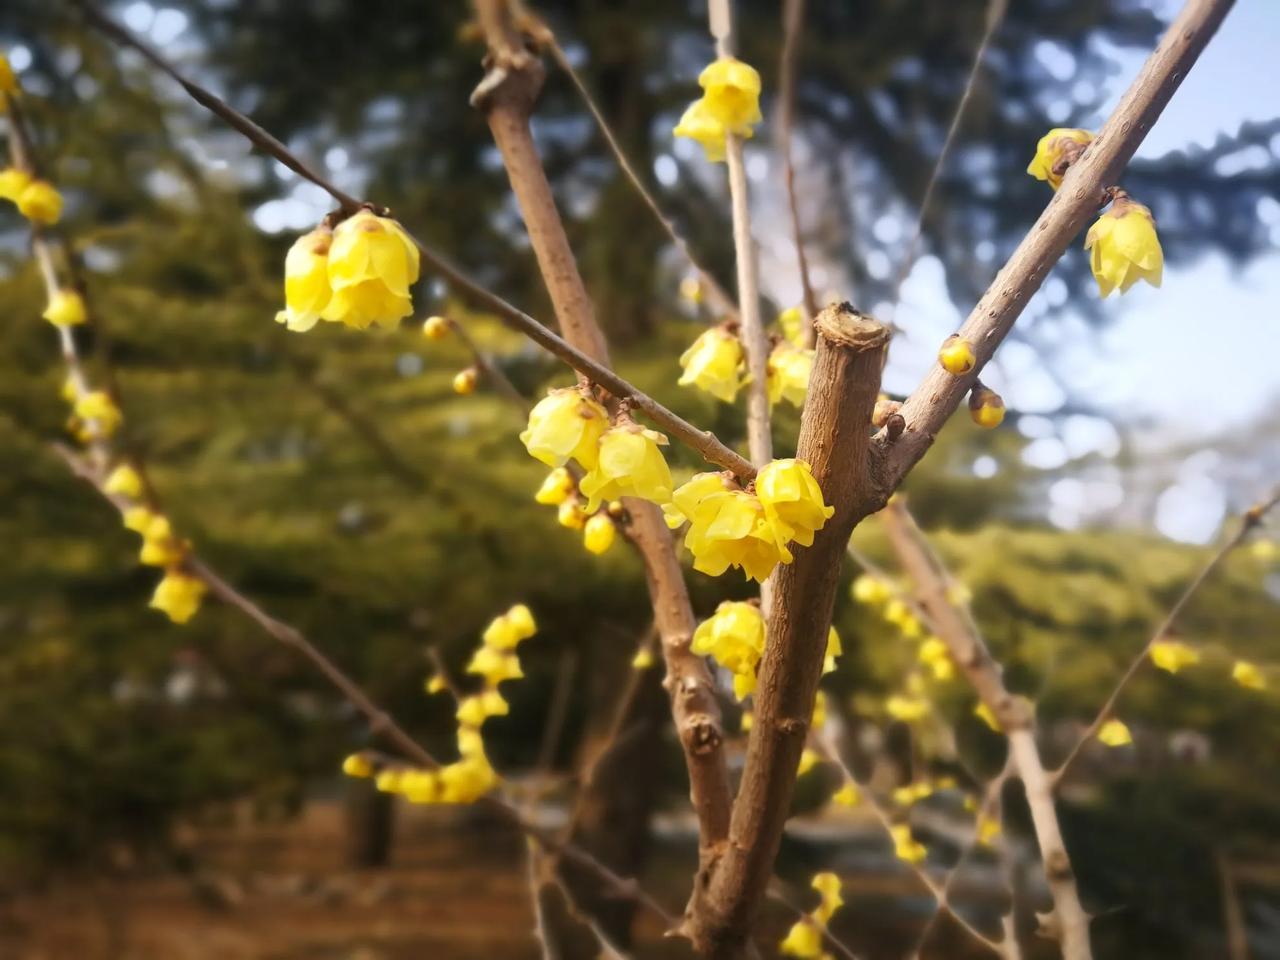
(828, 886)
(1051, 148)
(571, 515)
(306, 280)
(819, 719)
(495, 665)
(987, 829)
(556, 488)
(123, 481)
(870, 590)
(565, 425)
(629, 463)
(1173, 655)
(700, 124)
(160, 548)
(912, 793)
(435, 328)
(466, 781)
(357, 765)
(986, 407)
(138, 519)
(735, 636)
(792, 500)
(40, 202)
(959, 595)
(731, 92)
(956, 355)
(834, 650)
(70, 390)
(12, 182)
(691, 290)
(97, 408)
(599, 534)
(933, 653)
(802, 940)
(789, 367)
(714, 363)
(464, 381)
(905, 846)
(474, 710)
(1115, 734)
(65, 309)
(435, 684)
(389, 781)
(505, 632)
(847, 795)
(1124, 248)
(178, 595)
(791, 323)
(372, 263)
(983, 713)
(643, 659)
(746, 721)
(1264, 550)
(1248, 675)
(808, 760)
(896, 612)
(908, 709)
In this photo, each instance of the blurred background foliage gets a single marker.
(337, 479)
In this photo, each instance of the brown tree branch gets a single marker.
(1079, 197)
(971, 655)
(833, 440)
(506, 97)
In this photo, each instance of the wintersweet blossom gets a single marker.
(599, 534)
(123, 481)
(727, 528)
(65, 309)
(1248, 675)
(629, 463)
(556, 488)
(847, 795)
(791, 323)
(905, 846)
(178, 595)
(465, 381)
(40, 202)
(986, 407)
(565, 425)
(1173, 655)
(698, 123)
(735, 636)
(160, 548)
(435, 328)
(731, 92)
(372, 263)
(1114, 733)
(506, 632)
(97, 408)
(1124, 248)
(1055, 146)
(12, 182)
(789, 368)
(803, 940)
(714, 363)
(306, 280)
(792, 500)
(870, 590)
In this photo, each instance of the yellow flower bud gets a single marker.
(138, 519)
(788, 369)
(1115, 734)
(735, 636)
(40, 202)
(1248, 675)
(732, 94)
(643, 659)
(495, 665)
(1173, 655)
(435, 328)
(565, 425)
(306, 280)
(714, 363)
(178, 595)
(97, 408)
(571, 515)
(123, 481)
(629, 463)
(803, 940)
(906, 847)
(847, 795)
(556, 488)
(986, 407)
(870, 590)
(390, 781)
(357, 765)
(957, 356)
(599, 534)
(464, 381)
(12, 182)
(701, 124)
(1124, 248)
(65, 309)
(372, 263)
(1056, 149)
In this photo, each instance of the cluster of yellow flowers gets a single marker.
(599, 532)
(730, 104)
(716, 363)
(1123, 243)
(357, 273)
(94, 415)
(750, 530)
(804, 939)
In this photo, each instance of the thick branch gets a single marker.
(1079, 197)
(833, 440)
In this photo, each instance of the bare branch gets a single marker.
(792, 28)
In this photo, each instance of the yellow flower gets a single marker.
(700, 124)
(691, 290)
(906, 847)
(599, 533)
(357, 765)
(986, 407)
(506, 631)
(908, 709)
(390, 781)
(465, 781)
(847, 796)
(138, 519)
(1264, 550)
(984, 713)
(435, 328)
(556, 488)
(464, 381)
(987, 829)
(159, 546)
(714, 363)
(96, 407)
(306, 280)
(1173, 655)
(735, 636)
(643, 659)
(123, 481)
(435, 684)
(629, 464)
(792, 500)
(828, 886)
(802, 940)
(834, 650)
(808, 760)
(1115, 734)
(9, 86)
(12, 182)
(565, 425)
(372, 263)
(789, 367)
(65, 309)
(933, 653)
(1248, 675)
(495, 665)
(571, 515)
(40, 202)
(912, 793)
(730, 529)
(732, 95)
(1124, 248)
(870, 590)
(474, 710)
(1054, 146)
(791, 323)
(956, 355)
(178, 595)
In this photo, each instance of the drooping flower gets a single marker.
(1173, 655)
(565, 425)
(986, 407)
(956, 355)
(138, 519)
(792, 500)
(791, 323)
(160, 548)
(735, 636)
(1055, 150)
(123, 481)
(178, 595)
(65, 309)
(40, 202)
(1124, 248)
(1114, 733)
(12, 182)
(714, 363)
(495, 665)
(505, 632)
(371, 265)
(556, 488)
(1248, 675)
(731, 92)
(700, 124)
(847, 795)
(97, 408)
(803, 940)
(789, 367)
(599, 534)
(474, 710)
(629, 464)
(727, 528)
(306, 280)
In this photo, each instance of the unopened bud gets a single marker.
(986, 407)
(435, 328)
(464, 381)
(956, 355)
(884, 409)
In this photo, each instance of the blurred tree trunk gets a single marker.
(370, 819)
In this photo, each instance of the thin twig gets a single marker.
(792, 28)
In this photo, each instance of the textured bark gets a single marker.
(834, 436)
